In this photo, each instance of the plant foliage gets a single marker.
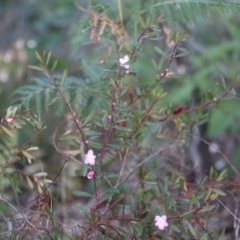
(130, 120)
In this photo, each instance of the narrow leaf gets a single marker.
(7, 131)
(77, 5)
(158, 50)
(27, 154)
(9, 112)
(54, 65)
(48, 57)
(82, 194)
(39, 57)
(219, 192)
(30, 184)
(32, 149)
(84, 170)
(39, 188)
(35, 67)
(80, 209)
(112, 190)
(64, 76)
(190, 228)
(40, 174)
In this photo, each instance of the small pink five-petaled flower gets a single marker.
(9, 120)
(123, 61)
(90, 174)
(90, 157)
(109, 117)
(161, 222)
(127, 71)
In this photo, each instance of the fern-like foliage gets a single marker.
(187, 10)
(79, 93)
(40, 92)
(83, 92)
(181, 11)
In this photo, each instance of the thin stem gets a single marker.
(120, 174)
(120, 13)
(49, 74)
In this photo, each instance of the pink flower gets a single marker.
(90, 174)
(161, 222)
(9, 120)
(123, 61)
(127, 71)
(90, 157)
(87, 142)
(109, 117)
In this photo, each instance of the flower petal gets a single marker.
(90, 157)
(90, 174)
(123, 61)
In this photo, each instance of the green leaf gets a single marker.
(89, 118)
(68, 137)
(219, 192)
(207, 208)
(64, 76)
(80, 209)
(158, 50)
(203, 180)
(82, 194)
(210, 96)
(35, 68)
(151, 183)
(212, 219)
(53, 101)
(136, 228)
(182, 36)
(77, 5)
(193, 201)
(112, 175)
(123, 129)
(112, 190)
(84, 170)
(205, 236)
(190, 227)
(175, 37)
(211, 172)
(32, 149)
(30, 184)
(184, 50)
(105, 197)
(113, 146)
(172, 213)
(113, 83)
(27, 154)
(48, 57)
(38, 57)
(181, 183)
(187, 213)
(181, 55)
(154, 210)
(222, 175)
(208, 193)
(92, 133)
(141, 21)
(54, 65)
(7, 131)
